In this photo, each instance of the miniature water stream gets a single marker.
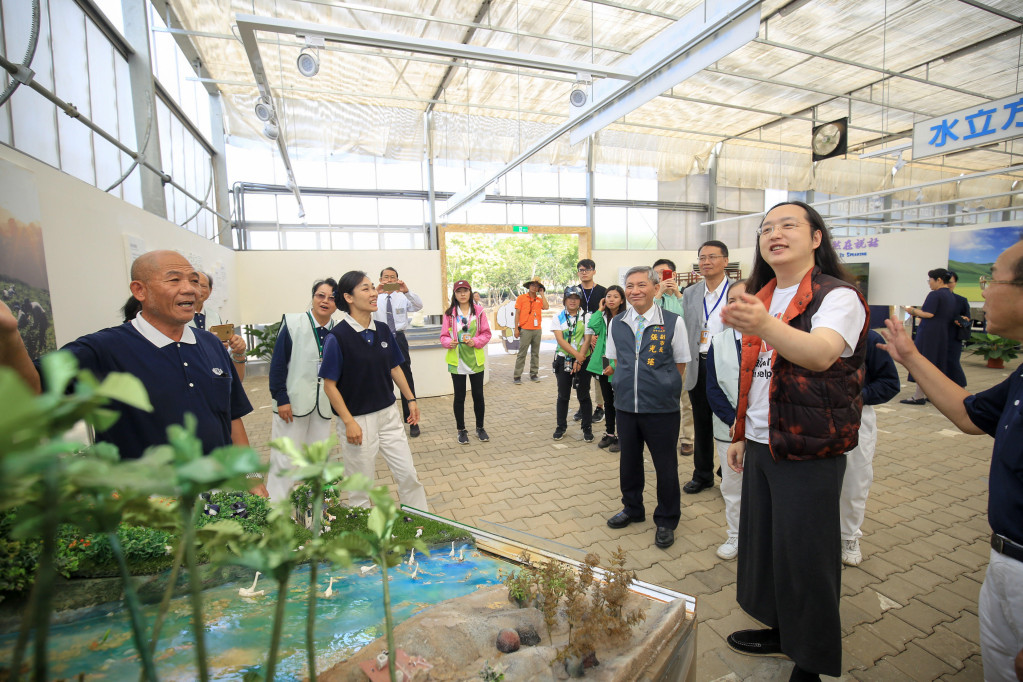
(238, 629)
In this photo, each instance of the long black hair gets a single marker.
(346, 284)
(621, 306)
(824, 256)
(453, 310)
(131, 308)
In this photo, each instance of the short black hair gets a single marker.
(131, 308)
(320, 282)
(209, 277)
(939, 273)
(952, 274)
(665, 261)
(586, 263)
(714, 242)
(394, 270)
(346, 284)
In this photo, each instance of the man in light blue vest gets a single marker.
(301, 408)
(649, 346)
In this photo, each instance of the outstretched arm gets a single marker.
(12, 350)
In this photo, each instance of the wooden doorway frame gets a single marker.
(585, 235)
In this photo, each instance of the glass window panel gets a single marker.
(642, 188)
(487, 214)
(366, 240)
(250, 164)
(418, 240)
(310, 172)
(353, 211)
(34, 118)
(400, 212)
(131, 188)
(540, 183)
(572, 183)
(397, 240)
(260, 208)
(301, 241)
(113, 12)
(610, 232)
(399, 174)
(179, 171)
(448, 177)
(340, 241)
(607, 186)
(347, 173)
(163, 118)
(574, 216)
(287, 210)
(103, 94)
(515, 214)
(165, 52)
(317, 211)
(512, 183)
(264, 241)
(71, 83)
(540, 214)
(642, 228)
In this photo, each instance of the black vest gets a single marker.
(365, 382)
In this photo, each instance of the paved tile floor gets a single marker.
(909, 611)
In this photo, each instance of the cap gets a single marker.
(573, 291)
(525, 285)
(461, 284)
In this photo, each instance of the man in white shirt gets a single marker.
(650, 348)
(701, 310)
(394, 303)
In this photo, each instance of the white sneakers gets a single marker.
(730, 549)
(851, 555)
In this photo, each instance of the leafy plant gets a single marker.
(993, 347)
(491, 674)
(265, 339)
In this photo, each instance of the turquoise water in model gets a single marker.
(238, 628)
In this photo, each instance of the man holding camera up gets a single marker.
(394, 303)
(669, 297)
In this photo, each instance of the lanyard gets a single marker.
(587, 296)
(316, 334)
(724, 292)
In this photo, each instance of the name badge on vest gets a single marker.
(704, 336)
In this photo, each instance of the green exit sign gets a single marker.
(520, 228)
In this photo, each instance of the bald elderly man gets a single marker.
(183, 369)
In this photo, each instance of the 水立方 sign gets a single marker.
(980, 124)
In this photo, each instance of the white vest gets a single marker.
(726, 365)
(305, 388)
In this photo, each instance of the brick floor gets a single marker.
(908, 611)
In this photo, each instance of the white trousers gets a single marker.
(859, 474)
(1001, 618)
(382, 432)
(302, 430)
(731, 489)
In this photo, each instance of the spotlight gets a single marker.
(271, 130)
(577, 98)
(264, 110)
(308, 63)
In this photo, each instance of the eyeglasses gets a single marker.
(984, 282)
(322, 297)
(786, 227)
(706, 259)
(585, 270)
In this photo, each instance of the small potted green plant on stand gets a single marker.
(995, 349)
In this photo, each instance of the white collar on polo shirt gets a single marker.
(157, 337)
(653, 315)
(355, 325)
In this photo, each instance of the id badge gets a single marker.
(319, 365)
(704, 336)
(536, 322)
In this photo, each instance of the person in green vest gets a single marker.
(465, 331)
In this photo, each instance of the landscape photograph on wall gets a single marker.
(971, 253)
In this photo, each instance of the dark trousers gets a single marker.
(476, 382)
(790, 567)
(406, 369)
(703, 428)
(608, 393)
(659, 432)
(582, 392)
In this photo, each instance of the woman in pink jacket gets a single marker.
(464, 332)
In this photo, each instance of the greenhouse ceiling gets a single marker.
(884, 64)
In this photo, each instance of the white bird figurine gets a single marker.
(461, 554)
(367, 569)
(415, 571)
(251, 591)
(330, 589)
(452, 550)
(412, 557)
(419, 532)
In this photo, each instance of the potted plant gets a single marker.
(995, 349)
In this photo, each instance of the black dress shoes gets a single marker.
(621, 520)
(756, 642)
(664, 537)
(911, 401)
(694, 486)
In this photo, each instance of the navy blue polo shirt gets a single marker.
(179, 377)
(360, 360)
(997, 412)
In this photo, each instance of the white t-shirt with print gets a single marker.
(840, 310)
(572, 327)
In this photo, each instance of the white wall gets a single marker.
(899, 264)
(277, 282)
(83, 239)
